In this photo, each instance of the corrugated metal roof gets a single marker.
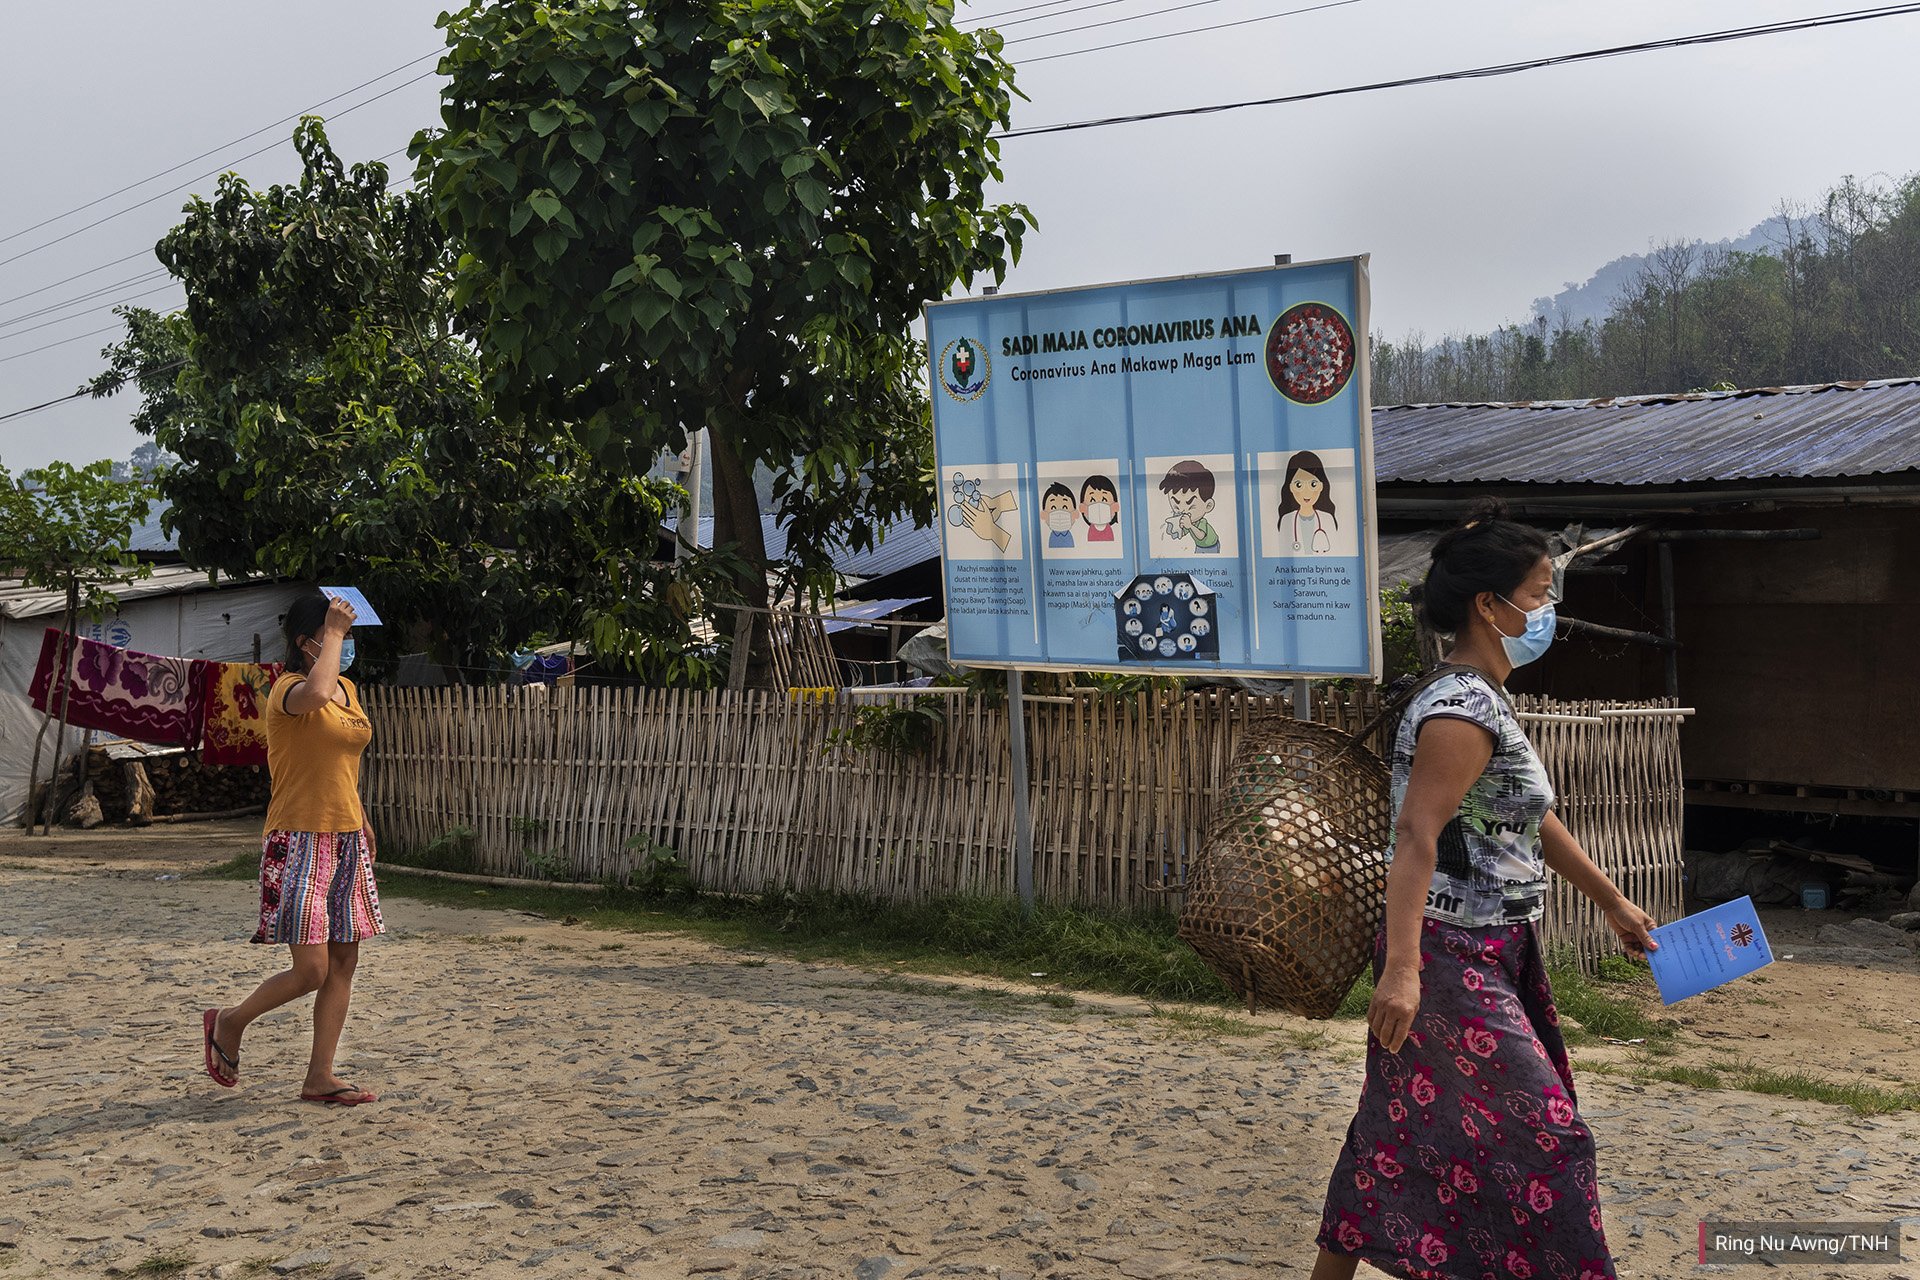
(1828, 431)
(17, 600)
(851, 613)
(149, 538)
(904, 546)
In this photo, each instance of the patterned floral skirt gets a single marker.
(1468, 1159)
(317, 886)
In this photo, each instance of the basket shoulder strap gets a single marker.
(1398, 706)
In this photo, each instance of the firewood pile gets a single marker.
(138, 784)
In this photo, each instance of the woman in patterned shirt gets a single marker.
(1467, 1156)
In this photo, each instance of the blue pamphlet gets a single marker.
(1708, 949)
(363, 614)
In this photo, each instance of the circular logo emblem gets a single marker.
(1310, 353)
(965, 369)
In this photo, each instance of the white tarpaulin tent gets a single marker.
(176, 613)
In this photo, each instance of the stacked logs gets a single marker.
(139, 785)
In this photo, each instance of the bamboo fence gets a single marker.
(755, 790)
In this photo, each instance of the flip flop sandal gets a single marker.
(231, 1076)
(333, 1098)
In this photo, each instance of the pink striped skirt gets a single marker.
(317, 886)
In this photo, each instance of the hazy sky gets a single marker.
(1473, 198)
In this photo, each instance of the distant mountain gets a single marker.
(1594, 299)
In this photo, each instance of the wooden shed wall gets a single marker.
(1802, 658)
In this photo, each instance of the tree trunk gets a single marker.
(65, 678)
(736, 520)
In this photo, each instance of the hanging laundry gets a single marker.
(236, 716)
(550, 669)
(132, 695)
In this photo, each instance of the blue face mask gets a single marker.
(346, 653)
(1535, 640)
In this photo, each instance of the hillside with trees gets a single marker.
(1833, 295)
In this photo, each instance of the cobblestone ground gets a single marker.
(560, 1102)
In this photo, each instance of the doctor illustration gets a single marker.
(1308, 520)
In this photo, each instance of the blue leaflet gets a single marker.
(1708, 949)
(363, 614)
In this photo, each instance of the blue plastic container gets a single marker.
(1814, 896)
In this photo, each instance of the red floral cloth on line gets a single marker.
(131, 695)
(235, 696)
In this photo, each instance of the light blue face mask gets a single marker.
(1535, 640)
(346, 653)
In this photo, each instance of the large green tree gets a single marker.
(329, 422)
(725, 213)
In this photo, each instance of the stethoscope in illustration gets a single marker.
(1308, 530)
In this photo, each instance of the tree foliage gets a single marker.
(1837, 297)
(329, 423)
(67, 528)
(724, 213)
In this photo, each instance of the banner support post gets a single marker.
(1022, 820)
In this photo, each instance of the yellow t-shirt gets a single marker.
(314, 761)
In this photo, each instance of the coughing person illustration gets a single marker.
(1308, 519)
(1189, 489)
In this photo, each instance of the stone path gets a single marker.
(562, 1102)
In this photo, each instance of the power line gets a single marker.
(59, 306)
(1049, 17)
(245, 137)
(22, 355)
(105, 306)
(214, 173)
(1166, 35)
(22, 297)
(84, 297)
(35, 408)
(75, 395)
(1110, 22)
(986, 20)
(1501, 69)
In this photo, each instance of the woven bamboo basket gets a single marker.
(1289, 890)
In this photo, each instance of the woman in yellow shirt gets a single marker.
(317, 893)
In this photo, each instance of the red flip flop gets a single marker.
(228, 1078)
(333, 1098)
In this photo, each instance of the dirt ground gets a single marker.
(562, 1102)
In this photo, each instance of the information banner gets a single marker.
(1171, 475)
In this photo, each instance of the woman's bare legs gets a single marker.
(1331, 1266)
(308, 974)
(329, 1016)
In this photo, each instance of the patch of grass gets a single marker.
(1132, 953)
(1698, 1077)
(613, 946)
(1862, 1098)
(1619, 969)
(751, 964)
(1577, 996)
(1198, 1025)
(164, 1264)
(242, 866)
(1308, 1040)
